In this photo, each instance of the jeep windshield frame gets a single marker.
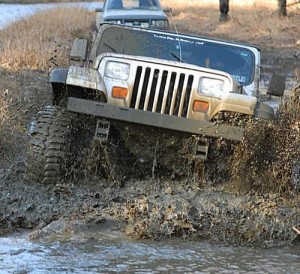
(237, 60)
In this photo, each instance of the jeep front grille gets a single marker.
(136, 23)
(161, 90)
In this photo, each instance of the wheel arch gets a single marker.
(61, 90)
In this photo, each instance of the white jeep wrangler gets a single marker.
(138, 84)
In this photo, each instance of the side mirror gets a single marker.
(79, 50)
(99, 10)
(277, 85)
(167, 10)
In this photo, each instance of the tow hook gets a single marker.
(201, 150)
(102, 131)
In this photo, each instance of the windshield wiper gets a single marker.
(109, 46)
(177, 57)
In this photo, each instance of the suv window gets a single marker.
(132, 4)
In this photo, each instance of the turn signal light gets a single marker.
(200, 106)
(119, 92)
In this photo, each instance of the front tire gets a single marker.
(47, 158)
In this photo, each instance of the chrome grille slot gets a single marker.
(161, 90)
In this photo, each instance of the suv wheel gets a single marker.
(47, 159)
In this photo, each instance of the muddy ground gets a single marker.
(246, 194)
(254, 202)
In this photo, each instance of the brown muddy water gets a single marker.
(110, 254)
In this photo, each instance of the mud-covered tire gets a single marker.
(47, 154)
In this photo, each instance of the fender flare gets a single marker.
(59, 76)
(58, 79)
(264, 111)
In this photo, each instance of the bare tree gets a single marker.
(224, 8)
(282, 8)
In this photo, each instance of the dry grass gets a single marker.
(43, 40)
(251, 21)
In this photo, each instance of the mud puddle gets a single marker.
(108, 254)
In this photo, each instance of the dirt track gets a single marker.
(256, 203)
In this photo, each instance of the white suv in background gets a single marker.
(142, 13)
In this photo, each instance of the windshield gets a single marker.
(132, 4)
(235, 60)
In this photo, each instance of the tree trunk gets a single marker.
(282, 8)
(224, 8)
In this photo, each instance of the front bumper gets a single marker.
(152, 119)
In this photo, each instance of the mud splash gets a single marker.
(267, 160)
